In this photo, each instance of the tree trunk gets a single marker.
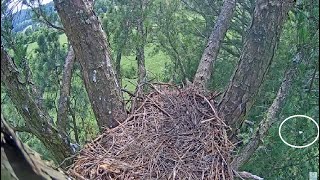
(118, 66)
(271, 116)
(62, 117)
(211, 51)
(35, 116)
(141, 44)
(123, 40)
(257, 54)
(89, 43)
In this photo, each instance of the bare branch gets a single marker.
(62, 118)
(130, 93)
(247, 175)
(42, 17)
(312, 79)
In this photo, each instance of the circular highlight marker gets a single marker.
(303, 116)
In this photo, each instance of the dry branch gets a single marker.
(247, 175)
(62, 117)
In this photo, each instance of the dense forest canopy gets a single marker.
(72, 70)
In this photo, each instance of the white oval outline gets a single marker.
(303, 117)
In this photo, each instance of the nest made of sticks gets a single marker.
(173, 134)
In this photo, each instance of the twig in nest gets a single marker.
(169, 84)
(207, 120)
(155, 88)
(162, 110)
(214, 111)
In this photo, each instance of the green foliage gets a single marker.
(174, 34)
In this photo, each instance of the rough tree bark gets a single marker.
(62, 117)
(89, 43)
(257, 54)
(211, 51)
(271, 116)
(36, 118)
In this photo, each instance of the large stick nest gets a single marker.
(172, 134)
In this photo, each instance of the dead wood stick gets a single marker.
(247, 175)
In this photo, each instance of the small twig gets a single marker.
(155, 88)
(207, 120)
(155, 104)
(217, 94)
(68, 158)
(45, 20)
(247, 175)
(238, 175)
(169, 84)
(130, 93)
(214, 111)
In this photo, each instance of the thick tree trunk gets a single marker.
(89, 43)
(211, 51)
(271, 116)
(62, 117)
(36, 118)
(257, 53)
